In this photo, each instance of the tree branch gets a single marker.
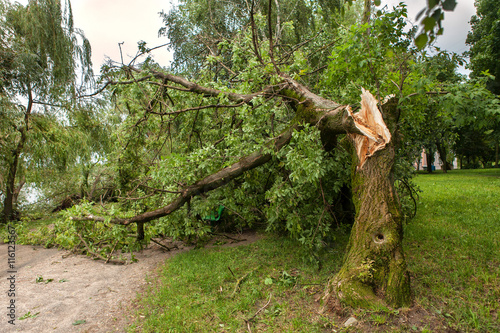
(207, 184)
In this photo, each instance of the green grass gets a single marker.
(453, 254)
(196, 290)
(453, 248)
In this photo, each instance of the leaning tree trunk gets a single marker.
(374, 271)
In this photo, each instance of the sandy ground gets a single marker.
(82, 289)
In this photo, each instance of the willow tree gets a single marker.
(45, 54)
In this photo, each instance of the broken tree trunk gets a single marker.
(374, 270)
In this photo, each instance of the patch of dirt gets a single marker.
(81, 289)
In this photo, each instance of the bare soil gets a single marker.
(76, 289)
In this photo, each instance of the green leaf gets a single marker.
(421, 40)
(29, 315)
(449, 5)
(429, 23)
(432, 3)
(79, 322)
(268, 281)
(377, 2)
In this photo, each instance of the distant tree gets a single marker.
(199, 29)
(484, 41)
(43, 52)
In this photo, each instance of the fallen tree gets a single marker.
(374, 271)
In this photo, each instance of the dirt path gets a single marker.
(81, 289)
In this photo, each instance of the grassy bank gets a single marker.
(453, 254)
(453, 248)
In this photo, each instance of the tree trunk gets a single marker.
(496, 154)
(140, 231)
(430, 160)
(374, 271)
(8, 203)
(442, 156)
(18, 189)
(9, 206)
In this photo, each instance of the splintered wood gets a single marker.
(370, 122)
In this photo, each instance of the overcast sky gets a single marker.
(109, 22)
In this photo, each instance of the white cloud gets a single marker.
(109, 22)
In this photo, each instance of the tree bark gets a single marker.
(496, 154)
(374, 271)
(430, 159)
(442, 156)
(9, 207)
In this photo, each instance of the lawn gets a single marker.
(453, 254)
(453, 248)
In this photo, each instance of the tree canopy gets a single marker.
(39, 78)
(484, 41)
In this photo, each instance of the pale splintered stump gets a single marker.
(374, 271)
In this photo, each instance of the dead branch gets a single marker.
(160, 245)
(240, 280)
(224, 235)
(258, 311)
(97, 255)
(111, 253)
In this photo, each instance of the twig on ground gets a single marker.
(258, 311)
(240, 280)
(224, 235)
(231, 271)
(161, 245)
(111, 253)
(118, 262)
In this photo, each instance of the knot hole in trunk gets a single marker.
(379, 238)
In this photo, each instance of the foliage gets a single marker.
(200, 29)
(167, 139)
(432, 15)
(484, 41)
(38, 89)
(371, 60)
